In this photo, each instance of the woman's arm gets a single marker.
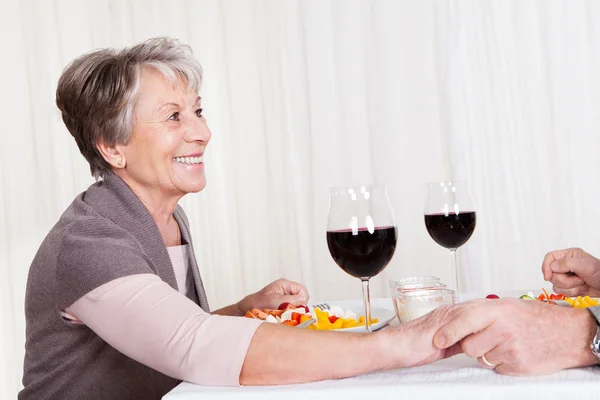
(150, 322)
(147, 320)
(283, 355)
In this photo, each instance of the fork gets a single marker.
(322, 306)
(306, 323)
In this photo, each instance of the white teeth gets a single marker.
(189, 160)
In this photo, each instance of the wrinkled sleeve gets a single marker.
(150, 322)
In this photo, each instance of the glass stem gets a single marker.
(454, 270)
(367, 302)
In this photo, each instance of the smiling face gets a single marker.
(166, 150)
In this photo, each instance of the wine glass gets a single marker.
(450, 218)
(361, 234)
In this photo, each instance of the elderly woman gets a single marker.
(115, 305)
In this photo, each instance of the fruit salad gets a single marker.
(293, 315)
(578, 302)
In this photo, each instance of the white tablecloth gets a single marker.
(457, 378)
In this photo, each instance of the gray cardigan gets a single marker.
(105, 234)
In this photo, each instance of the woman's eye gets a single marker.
(199, 113)
(174, 116)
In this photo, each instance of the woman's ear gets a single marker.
(113, 155)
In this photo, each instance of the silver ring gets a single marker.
(486, 362)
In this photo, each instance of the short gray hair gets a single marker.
(97, 92)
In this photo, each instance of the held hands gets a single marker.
(572, 272)
(411, 344)
(275, 293)
(519, 337)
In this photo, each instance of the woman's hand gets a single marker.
(275, 293)
(411, 344)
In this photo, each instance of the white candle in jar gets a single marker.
(409, 312)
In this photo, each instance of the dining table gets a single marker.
(458, 377)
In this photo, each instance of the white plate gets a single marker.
(384, 315)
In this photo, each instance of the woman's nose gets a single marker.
(198, 131)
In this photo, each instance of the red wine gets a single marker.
(451, 231)
(363, 254)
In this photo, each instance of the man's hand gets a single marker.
(572, 272)
(520, 337)
(411, 344)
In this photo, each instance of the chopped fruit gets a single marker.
(492, 296)
(546, 293)
(289, 307)
(259, 313)
(296, 317)
(291, 315)
(303, 306)
(275, 313)
(544, 296)
(321, 315)
(362, 319)
(349, 323)
(337, 324)
(581, 302)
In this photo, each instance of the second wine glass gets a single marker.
(361, 234)
(450, 219)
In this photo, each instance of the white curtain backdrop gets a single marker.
(303, 95)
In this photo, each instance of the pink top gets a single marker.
(147, 320)
(180, 258)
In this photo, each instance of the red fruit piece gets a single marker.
(303, 306)
(296, 317)
(283, 306)
(492, 296)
